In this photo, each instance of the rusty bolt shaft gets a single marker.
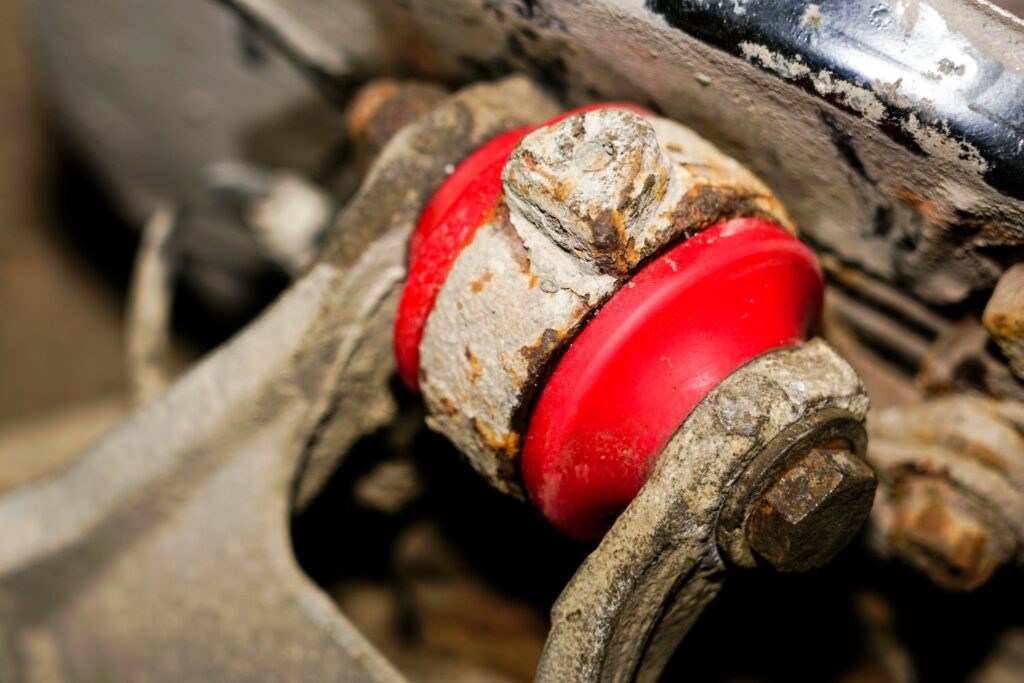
(812, 511)
(383, 107)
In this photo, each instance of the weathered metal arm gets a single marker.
(163, 552)
(170, 536)
(636, 596)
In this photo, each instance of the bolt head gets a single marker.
(591, 182)
(812, 511)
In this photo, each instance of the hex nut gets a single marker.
(951, 499)
(813, 510)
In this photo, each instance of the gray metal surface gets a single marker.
(163, 552)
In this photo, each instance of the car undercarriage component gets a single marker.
(893, 147)
(322, 359)
(587, 199)
(951, 502)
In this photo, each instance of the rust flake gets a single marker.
(615, 252)
(538, 353)
(507, 443)
(447, 407)
(560, 189)
(706, 205)
(503, 223)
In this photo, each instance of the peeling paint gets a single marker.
(775, 61)
(812, 17)
(934, 138)
(941, 143)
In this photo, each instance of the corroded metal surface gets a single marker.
(592, 185)
(587, 201)
(881, 161)
(877, 123)
(815, 509)
(146, 549)
(382, 107)
(455, 130)
(951, 494)
(641, 590)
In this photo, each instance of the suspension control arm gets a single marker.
(607, 315)
(163, 552)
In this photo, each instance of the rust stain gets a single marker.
(447, 407)
(923, 206)
(538, 353)
(609, 231)
(947, 219)
(1003, 326)
(962, 549)
(503, 223)
(935, 530)
(477, 285)
(706, 205)
(504, 443)
(529, 158)
(388, 109)
(937, 216)
(475, 369)
(560, 189)
(578, 129)
(661, 188)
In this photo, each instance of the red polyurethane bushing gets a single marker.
(448, 222)
(651, 354)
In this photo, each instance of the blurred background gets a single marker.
(61, 352)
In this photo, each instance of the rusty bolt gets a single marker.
(381, 108)
(944, 532)
(812, 511)
(592, 182)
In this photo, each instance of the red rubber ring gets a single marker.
(448, 223)
(651, 354)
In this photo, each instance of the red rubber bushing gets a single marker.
(448, 223)
(651, 354)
